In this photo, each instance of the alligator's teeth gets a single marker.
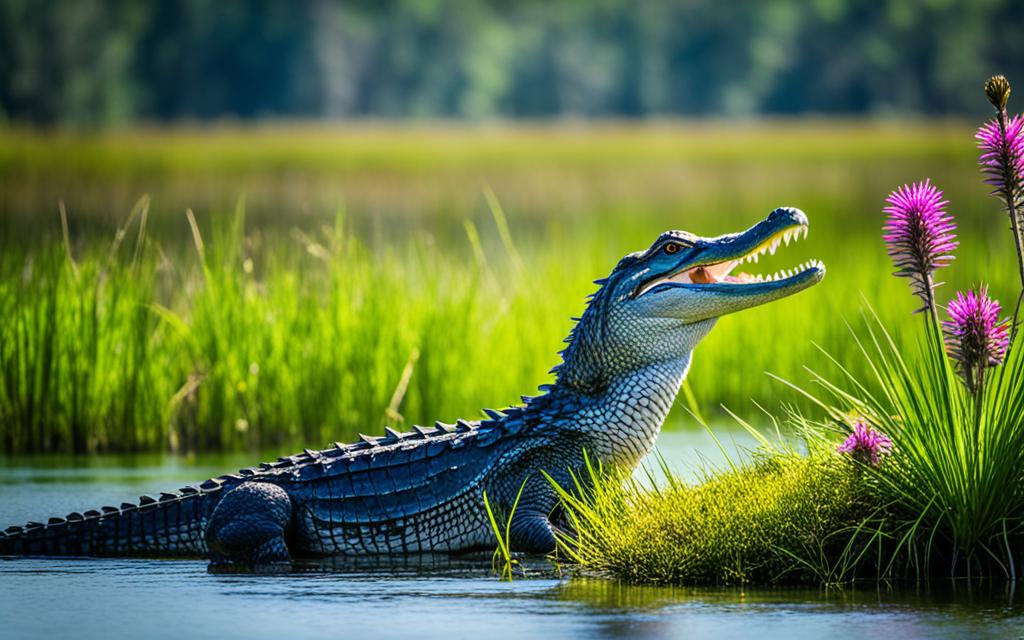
(806, 230)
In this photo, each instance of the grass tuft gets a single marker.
(503, 562)
(778, 518)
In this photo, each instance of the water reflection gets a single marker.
(943, 609)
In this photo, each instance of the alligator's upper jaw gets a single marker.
(712, 270)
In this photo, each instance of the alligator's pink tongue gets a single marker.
(742, 278)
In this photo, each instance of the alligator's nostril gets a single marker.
(789, 212)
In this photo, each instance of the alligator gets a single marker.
(423, 490)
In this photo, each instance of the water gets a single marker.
(428, 597)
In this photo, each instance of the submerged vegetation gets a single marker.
(917, 469)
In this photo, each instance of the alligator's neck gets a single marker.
(630, 414)
(621, 423)
(619, 396)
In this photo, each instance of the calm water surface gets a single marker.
(431, 597)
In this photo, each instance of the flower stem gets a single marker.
(979, 392)
(929, 290)
(1018, 236)
(1009, 182)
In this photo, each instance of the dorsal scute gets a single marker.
(356, 456)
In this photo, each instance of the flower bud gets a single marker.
(997, 90)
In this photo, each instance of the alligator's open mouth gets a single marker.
(728, 252)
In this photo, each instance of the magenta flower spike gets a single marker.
(1001, 142)
(975, 336)
(866, 445)
(920, 236)
(1002, 157)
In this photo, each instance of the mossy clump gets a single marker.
(782, 517)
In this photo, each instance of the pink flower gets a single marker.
(975, 336)
(1002, 157)
(865, 444)
(920, 235)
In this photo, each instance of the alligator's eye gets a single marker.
(673, 247)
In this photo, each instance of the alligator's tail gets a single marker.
(171, 525)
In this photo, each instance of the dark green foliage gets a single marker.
(111, 61)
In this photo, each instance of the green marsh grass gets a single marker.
(955, 483)
(298, 326)
(777, 517)
(503, 562)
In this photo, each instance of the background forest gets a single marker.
(100, 62)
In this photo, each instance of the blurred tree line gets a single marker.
(96, 62)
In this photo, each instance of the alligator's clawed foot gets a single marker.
(247, 529)
(270, 557)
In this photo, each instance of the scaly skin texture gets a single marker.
(423, 491)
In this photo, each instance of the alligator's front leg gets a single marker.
(533, 532)
(535, 523)
(248, 526)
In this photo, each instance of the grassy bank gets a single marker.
(294, 325)
(780, 518)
